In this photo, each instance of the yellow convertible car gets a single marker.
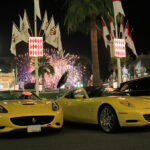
(25, 110)
(108, 109)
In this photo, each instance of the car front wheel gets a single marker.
(108, 119)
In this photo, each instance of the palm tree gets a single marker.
(82, 15)
(44, 68)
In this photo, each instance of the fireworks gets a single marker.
(59, 63)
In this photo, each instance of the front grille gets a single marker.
(147, 117)
(32, 120)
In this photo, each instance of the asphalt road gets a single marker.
(78, 137)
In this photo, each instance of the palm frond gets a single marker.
(78, 12)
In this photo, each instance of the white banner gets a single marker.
(37, 8)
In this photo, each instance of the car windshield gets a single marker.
(17, 95)
(94, 91)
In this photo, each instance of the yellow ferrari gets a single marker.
(25, 110)
(108, 109)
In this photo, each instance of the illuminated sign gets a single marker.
(35, 46)
(119, 46)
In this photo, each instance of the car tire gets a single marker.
(108, 119)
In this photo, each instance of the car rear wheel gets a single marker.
(108, 119)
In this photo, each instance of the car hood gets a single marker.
(27, 107)
(140, 102)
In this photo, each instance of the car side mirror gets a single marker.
(79, 96)
(44, 99)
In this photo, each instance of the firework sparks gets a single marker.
(59, 63)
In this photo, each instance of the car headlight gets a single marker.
(3, 110)
(55, 106)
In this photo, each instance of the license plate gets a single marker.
(34, 128)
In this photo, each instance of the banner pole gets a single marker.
(118, 58)
(36, 58)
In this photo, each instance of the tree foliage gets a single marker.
(78, 13)
(44, 68)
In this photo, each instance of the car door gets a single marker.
(76, 106)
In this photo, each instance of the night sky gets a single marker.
(136, 12)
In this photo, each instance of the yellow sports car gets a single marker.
(25, 110)
(108, 109)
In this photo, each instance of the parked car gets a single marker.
(136, 87)
(25, 110)
(110, 110)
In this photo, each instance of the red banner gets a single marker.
(35, 46)
(120, 49)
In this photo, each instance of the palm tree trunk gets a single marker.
(94, 48)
